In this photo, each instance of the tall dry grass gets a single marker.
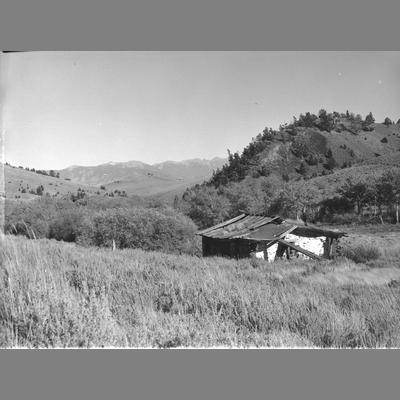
(62, 295)
(376, 249)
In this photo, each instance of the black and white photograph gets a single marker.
(200, 199)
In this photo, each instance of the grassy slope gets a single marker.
(54, 294)
(328, 185)
(347, 149)
(16, 178)
(366, 145)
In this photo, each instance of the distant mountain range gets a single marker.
(138, 178)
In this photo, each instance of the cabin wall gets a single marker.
(234, 248)
(314, 244)
(260, 254)
(267, 254)
(241, 248)
(271, 251)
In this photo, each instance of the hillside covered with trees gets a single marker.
(330, 167)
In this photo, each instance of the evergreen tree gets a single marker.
(387, 121)
(39, 190)
(302, 170)
(369, 119)
(326, 121)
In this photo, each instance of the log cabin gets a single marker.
(269, 238)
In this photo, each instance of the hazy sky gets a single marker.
(87, 108)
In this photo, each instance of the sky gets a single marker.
(88, 108)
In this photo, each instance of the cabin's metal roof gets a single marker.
(236, 227)
(261, 228)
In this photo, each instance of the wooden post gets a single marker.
(333, 248)
(280, 251)
(327, 247)
(265, 251)
(330, 241)
(113, 245)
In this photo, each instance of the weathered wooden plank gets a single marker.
(234, 230)
(222, 224)
(272, 239)
(264, 223)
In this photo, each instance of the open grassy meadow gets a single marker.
(55, 294)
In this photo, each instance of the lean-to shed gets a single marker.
(269, 238)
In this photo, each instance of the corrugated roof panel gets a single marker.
(239, 227)
(230, 230)
(268, 232)
(237, 232)
(230, 221)
(256, 227)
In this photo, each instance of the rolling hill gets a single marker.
(313, 151)
(296, 168)
(19, 182)
(307, 152)
(138, 178)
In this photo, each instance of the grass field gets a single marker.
(54, 294)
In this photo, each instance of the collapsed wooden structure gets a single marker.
(269, 238)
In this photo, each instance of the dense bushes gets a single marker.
(68, 225)
(33, 218)
(344, 198)
(99, 223)
(207, 206)
(332, 207)
(143, 228)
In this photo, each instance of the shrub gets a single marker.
(312, 159)
(97, 223)
(39, 190)
(300, 147)
(149, 229)
(333, 208)
(68, 225)
(31, 219)
(360, 253)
